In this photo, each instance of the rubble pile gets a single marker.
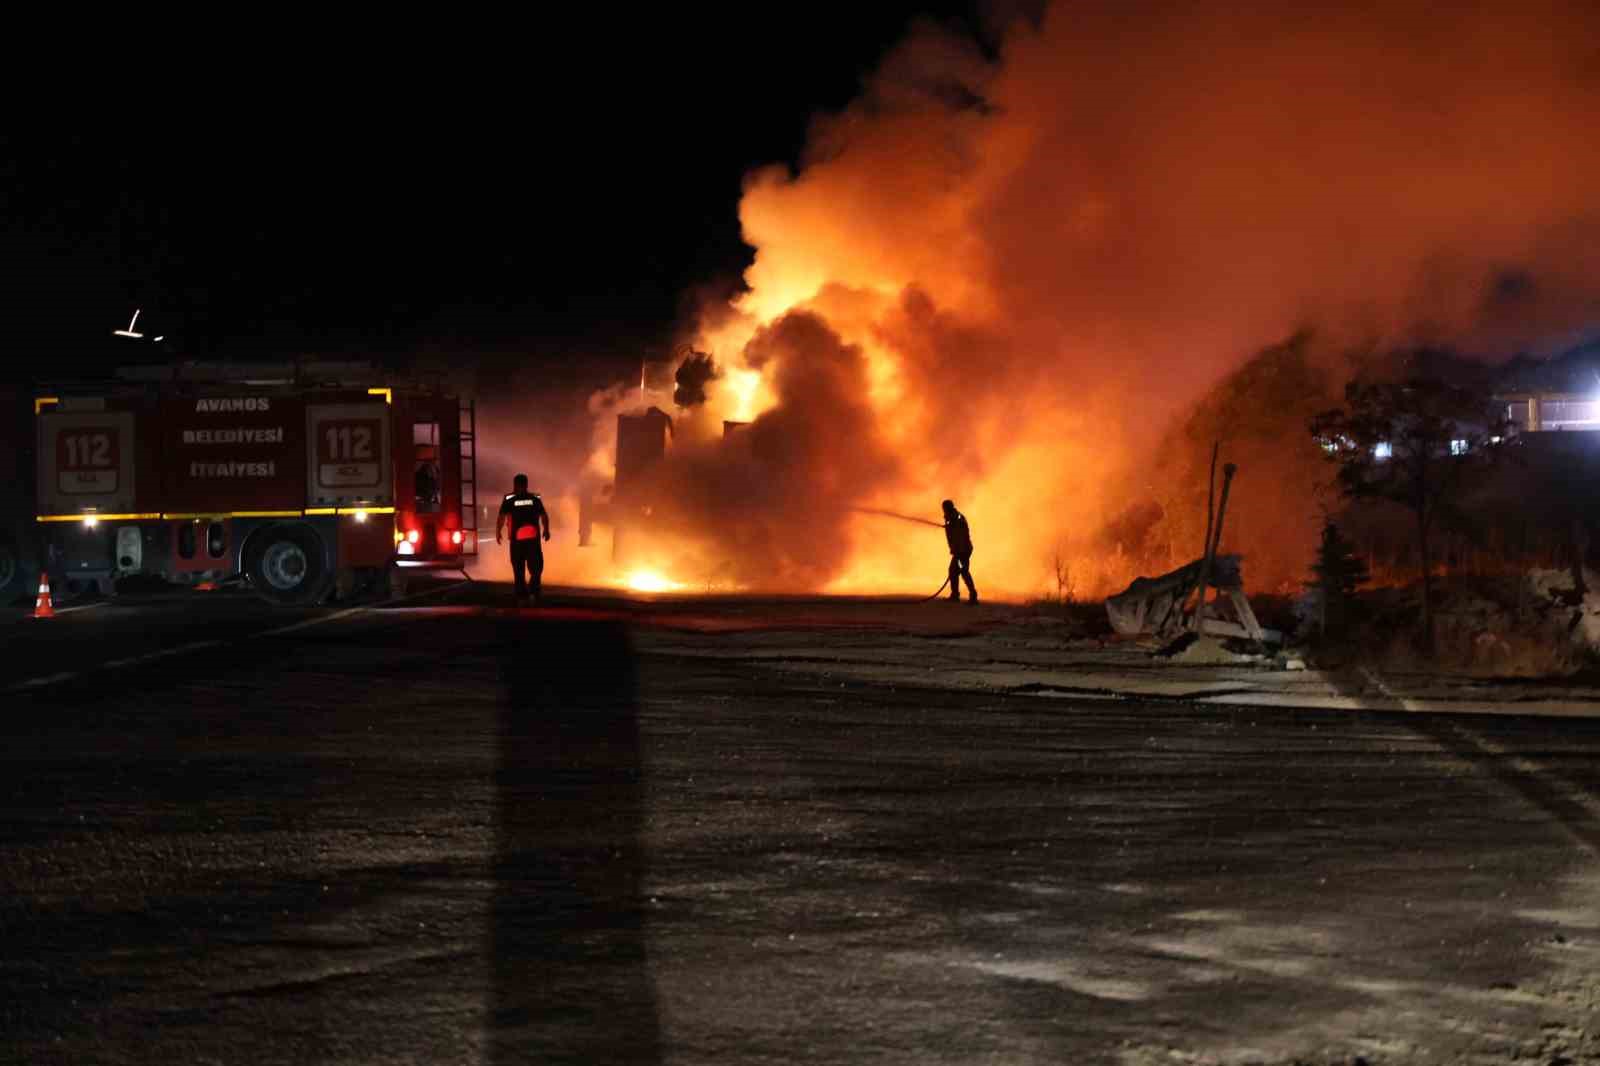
(1192, 649)
(1555, 593)
(1539, 623)
(1535, 625)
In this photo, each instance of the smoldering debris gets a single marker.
(697, 370)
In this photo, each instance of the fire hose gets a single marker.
(920, 521)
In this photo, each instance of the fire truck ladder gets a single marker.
(467, 441)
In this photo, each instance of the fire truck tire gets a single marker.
(14, 575)
(285, 565)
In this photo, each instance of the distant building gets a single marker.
(1553, 395)
(1548, 412)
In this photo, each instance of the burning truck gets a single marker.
(303, 480)
(628, 499)
(632, 503)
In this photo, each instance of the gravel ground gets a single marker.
(725, 831)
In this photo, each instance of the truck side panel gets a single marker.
(87, 461)
(348, 462)
(239, 452)
(366, 543)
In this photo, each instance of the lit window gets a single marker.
(1458, 447)
(1383, 450)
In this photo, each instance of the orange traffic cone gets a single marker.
(41, 605)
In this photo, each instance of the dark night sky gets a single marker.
(553, 192)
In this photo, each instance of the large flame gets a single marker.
(1001, 280)
(650, 581)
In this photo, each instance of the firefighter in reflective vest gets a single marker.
(525, 513)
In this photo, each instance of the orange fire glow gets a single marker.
(1006, 281)
(650, 581)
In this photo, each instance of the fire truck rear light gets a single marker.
(90, 521)
(361, 516)
(412, 536)
(455, 537)
(406, 548)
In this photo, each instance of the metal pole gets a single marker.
(1211, 549)
(1211, 499)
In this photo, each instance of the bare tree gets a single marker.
(1062, 567)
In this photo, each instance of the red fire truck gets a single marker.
(304, 480)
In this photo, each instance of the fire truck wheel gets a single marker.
(11, 572)
(285, 564)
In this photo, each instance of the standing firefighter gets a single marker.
(959, 537)
(525, 513)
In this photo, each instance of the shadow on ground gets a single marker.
(571, 979)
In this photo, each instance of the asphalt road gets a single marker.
(443, 831)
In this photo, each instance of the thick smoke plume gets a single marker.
(777, 493)
(1004, 275)
(692, 376)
